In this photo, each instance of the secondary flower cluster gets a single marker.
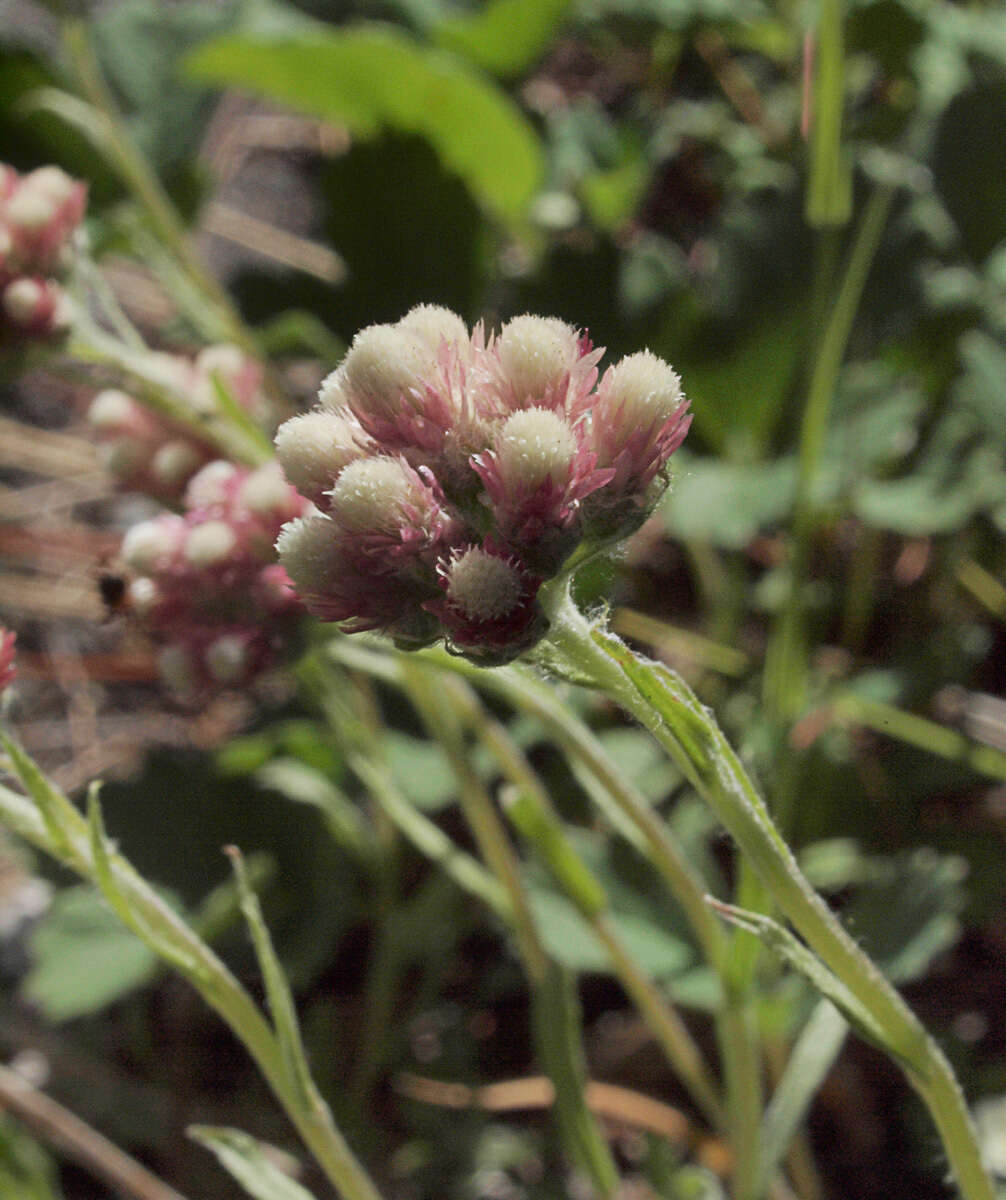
(39, 215)
(206, 582)
(455, 472)
(149, 453)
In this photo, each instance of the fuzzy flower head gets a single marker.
(146, 451)
(206, 585)
(456, 473)
(40, 214)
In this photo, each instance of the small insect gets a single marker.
(113, 587)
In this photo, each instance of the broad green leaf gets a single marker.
(505, 37)
(420, 769)
(367, 77)
(651, 929)
(84, 957)
(250, 1162)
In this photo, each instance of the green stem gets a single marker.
(664, 704)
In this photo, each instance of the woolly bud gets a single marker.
(535, 445)
(211, 486)
(373, 494)
(111, 410)
(223, 359)
(332, 394)
(147, 546)
(8, 640)
(535, 354)
(143, 595)
(209, 544)
(174, 462)
(30, 303)
(432, 325)
(227, 658)
(308, 551)
(265, 492)
(313, 450)
(30, 209)
(52, 182)
(484, 587)
(383, 365)
(640, 392)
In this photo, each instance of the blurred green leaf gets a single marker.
(420, 769)
(250, 1162)
(26, 1170)
(651, 930)
(505, 37)
(84, 957)
(368, 77)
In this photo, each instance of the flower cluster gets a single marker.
(206, 582)
(455, 472)
(39, 215)
(147, 452)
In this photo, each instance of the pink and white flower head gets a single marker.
(539, 362)
(638, 419)
(535, 477)
(388, 513)
(488, 610)
(39, 216)
(457, 473)
(40, 213)
(147, 452)
(314, 448)
(206, 583)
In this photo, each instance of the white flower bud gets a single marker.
(332, 394)
(148, 544)
(535, 353)
(432, 324)
(111, 409)
(210, 486)
(483, 586)
(265, 490)
(143, 595)
(370, 493)
(307, 551)
(534, 445)
(643, 389)
(24, 301)
(227, 658)
(225, 360)
(382, 365)
(209, 544)
(52, 182)
(30, 209)
(174, 462)
(176, 668)
(313, 449)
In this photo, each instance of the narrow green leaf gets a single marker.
(778, 939)
(546, 835)
(63, 822)
(368, 76)
(250, 1162)
(810, 1061)
(259, 445)
(278, 995)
